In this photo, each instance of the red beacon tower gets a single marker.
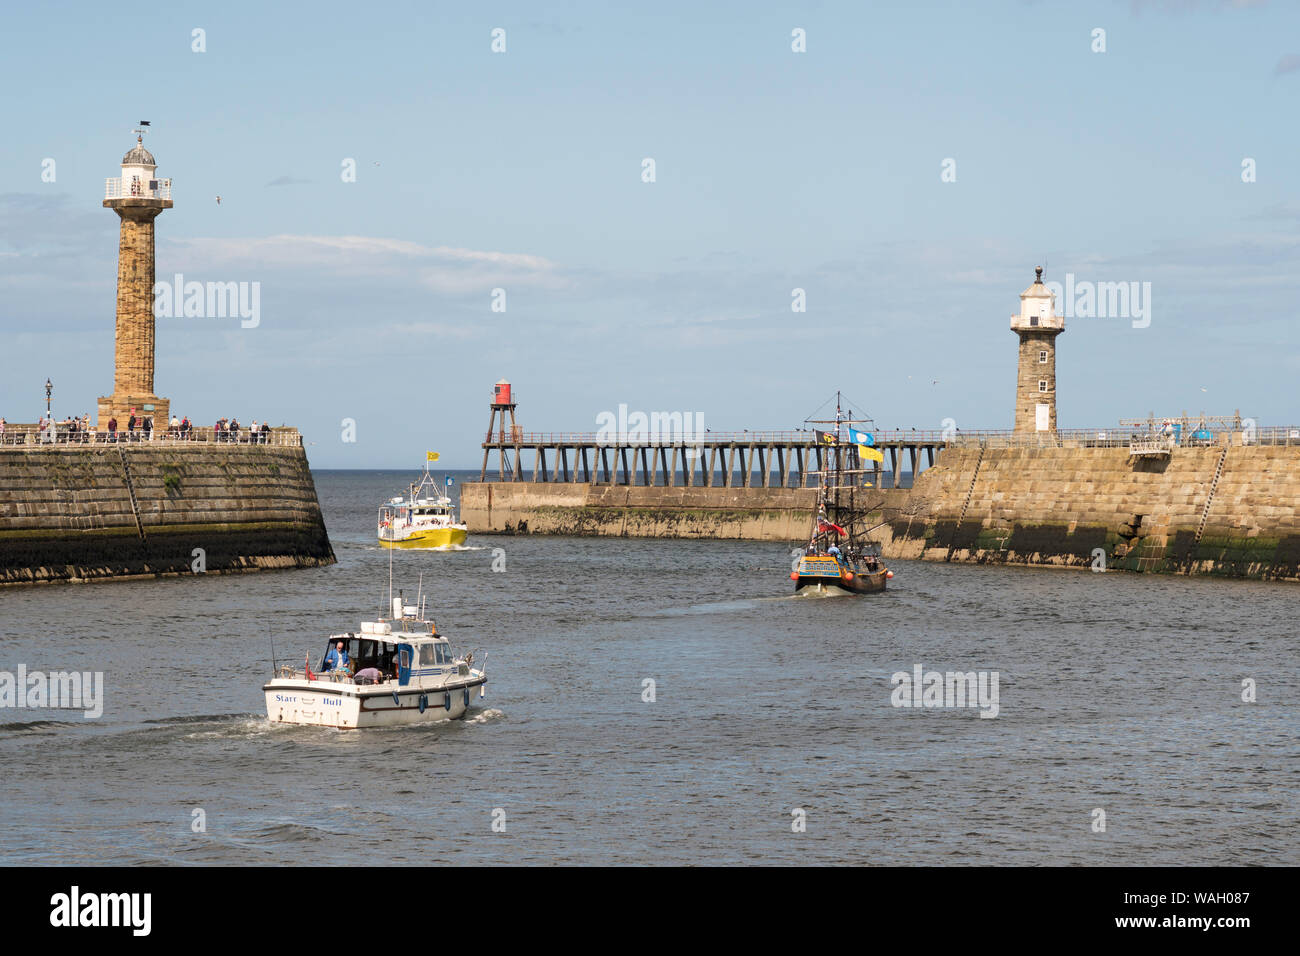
(503, 402)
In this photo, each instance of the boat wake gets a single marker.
(444, 548)
(485, 716)
(816, 594)
(195, 719)
(236, 727)
(21, 727)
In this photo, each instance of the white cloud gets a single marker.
(442, 268)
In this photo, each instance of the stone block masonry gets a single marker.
(522, 507)
(130, 510)
(1051, 505)
(1060, 505)
(634, 511)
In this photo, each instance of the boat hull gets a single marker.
(352, 706)
(428, 538)
(825, 573)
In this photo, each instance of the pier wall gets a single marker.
(77, 512)
(752, 514)
(1228, 510)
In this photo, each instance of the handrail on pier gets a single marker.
(32, 436)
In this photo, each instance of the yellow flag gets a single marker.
(869, 454)
(430, 456)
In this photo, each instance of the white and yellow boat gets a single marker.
(425, 518)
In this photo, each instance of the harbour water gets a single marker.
(1117, 692)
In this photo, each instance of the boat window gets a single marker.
(427, 655)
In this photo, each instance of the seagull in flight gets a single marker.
(218, 200)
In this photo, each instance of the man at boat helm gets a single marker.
(337, 658)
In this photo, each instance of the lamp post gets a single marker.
(49, 389)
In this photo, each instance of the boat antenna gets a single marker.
(275, 666)
(390, 579)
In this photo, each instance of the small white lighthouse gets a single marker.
(1037, 326)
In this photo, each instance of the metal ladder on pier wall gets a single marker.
(130, 490)
(966, 504)
(1209, 500)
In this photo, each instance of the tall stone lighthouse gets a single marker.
(138, 197)
(1038, 325)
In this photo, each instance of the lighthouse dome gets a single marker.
(138, 156)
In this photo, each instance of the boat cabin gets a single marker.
(404, 510)
(379, 654)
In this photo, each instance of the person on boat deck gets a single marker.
(834, 551)
(337, 658)
(368, 675)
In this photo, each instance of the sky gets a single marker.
(907, 170)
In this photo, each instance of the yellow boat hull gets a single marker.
(430, 538)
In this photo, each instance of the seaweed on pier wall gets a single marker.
(90, 512)
(1055, 541)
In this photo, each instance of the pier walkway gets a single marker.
(718, 459)
(32, 436)
(776, 459)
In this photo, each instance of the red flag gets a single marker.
(823, 524)
(307, 661)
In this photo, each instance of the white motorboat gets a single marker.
(397, 671)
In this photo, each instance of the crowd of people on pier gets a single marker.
(133, 427)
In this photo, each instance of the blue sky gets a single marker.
(774, 170)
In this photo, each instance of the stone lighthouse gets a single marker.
(1037, 325)
(138, 196)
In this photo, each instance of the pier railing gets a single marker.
(32, 436)
(640, 438)
(115, 188)
(786, 459)
(1125, 438)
